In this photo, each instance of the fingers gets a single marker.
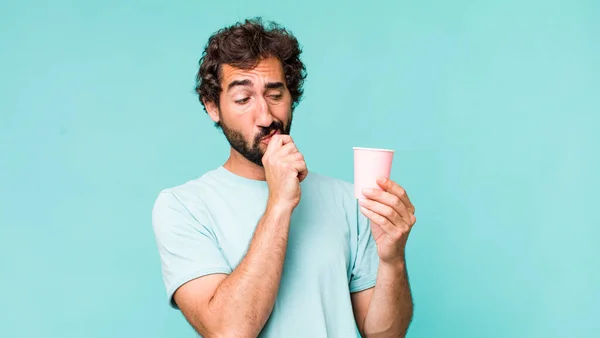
(385, 224)
(287, 149)
(276, 142)
(405, 200)
(282, 148)
(299, 166)
(285, 139)
(396, 190)
(385, 211)
(280, 144)
(297, 161)
(302, 175)
(295, 156)
(389, 200)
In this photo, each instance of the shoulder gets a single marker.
(183, 193)
(184, 200)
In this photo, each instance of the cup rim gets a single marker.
(373, 149)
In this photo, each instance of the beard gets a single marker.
(251, 149)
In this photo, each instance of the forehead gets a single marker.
(267, 70)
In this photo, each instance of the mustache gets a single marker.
(275, 126)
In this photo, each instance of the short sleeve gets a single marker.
(187, 248)
(364, 271)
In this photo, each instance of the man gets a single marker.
(260, 246)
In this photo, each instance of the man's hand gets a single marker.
(392, 217)
(284, 170)
(386, 310)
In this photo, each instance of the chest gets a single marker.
(319, 240)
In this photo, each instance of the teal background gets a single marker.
(492, 108)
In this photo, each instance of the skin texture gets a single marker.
(386, 310)
(239, 304)
(254, 111)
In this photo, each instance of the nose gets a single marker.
(264, 117)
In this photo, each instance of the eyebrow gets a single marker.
(248, 83)
(274, 85)
(244, 82)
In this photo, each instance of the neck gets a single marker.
(240, 166)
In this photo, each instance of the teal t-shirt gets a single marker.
(205, 225)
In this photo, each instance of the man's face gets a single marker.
(254, 104)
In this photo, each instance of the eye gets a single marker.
(242, 101)
(276, 96)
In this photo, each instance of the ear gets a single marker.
(212, 110)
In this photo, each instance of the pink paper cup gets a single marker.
(369, 164)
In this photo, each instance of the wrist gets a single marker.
(280, 205)
(398, 265)
(279, 208)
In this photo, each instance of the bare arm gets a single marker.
(241, 302)
(385, 310)
(239, 305)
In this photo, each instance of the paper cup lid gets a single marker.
(372, 149)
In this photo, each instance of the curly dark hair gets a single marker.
(243, 45)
